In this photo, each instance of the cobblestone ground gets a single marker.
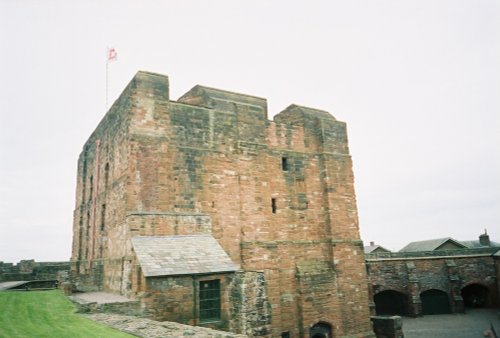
(473, 324)
(147, 328)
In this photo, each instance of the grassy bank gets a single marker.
(46, 314)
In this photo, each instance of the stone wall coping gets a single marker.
(485, 251)
(424, 258)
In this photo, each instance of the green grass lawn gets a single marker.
(46, 314)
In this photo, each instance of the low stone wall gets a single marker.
(102, 302)
(409, 274)
(147, 328)
(130, 308)
(28, 270)
(387, 327)
(489, 251)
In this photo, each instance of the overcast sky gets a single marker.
(418, 83)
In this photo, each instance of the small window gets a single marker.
(103, 217)
(210, 300)
(88, 222)
(106, 175)
(285, 334)
(273, 205)
(91, 187)
(87, 235)
(284, 163)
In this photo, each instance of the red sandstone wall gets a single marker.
(101, 183)
(215, 167)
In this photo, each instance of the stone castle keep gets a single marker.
(209, 214)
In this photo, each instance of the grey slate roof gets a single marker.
(375, 248)
(181, 255)
(477, 244)
(430, 245)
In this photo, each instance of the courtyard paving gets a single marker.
(472, 324)
(98, 297)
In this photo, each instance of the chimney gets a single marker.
(372, 243)
(484, 239)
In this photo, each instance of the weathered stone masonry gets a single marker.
(29, 270)
(458, 275)
(278, 196)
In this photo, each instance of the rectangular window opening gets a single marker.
(103, 217)
(273, 205)
(87, 236)
(284, 164)
(210, 301)
(106, 175)
(285, 334)
(91, 187)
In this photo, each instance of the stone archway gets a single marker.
(435, 302)
(390, 302)
(475, 295)
(321, 330)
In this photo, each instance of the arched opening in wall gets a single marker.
(321, 330)
(475, 295)
(435, 302)
(391, 302)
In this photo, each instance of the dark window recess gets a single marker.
(91, 187)
(84, 177)
(285, 334)
(80, 237)
(273, 205)
(106, 175)
(88, 222)
(210, 300)
(87, 235)
(284, 163)
(103, 217)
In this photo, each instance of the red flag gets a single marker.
(112, 54)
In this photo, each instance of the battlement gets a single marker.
(157, 86)
(222, 99)
(152, 84)
(295, 112)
